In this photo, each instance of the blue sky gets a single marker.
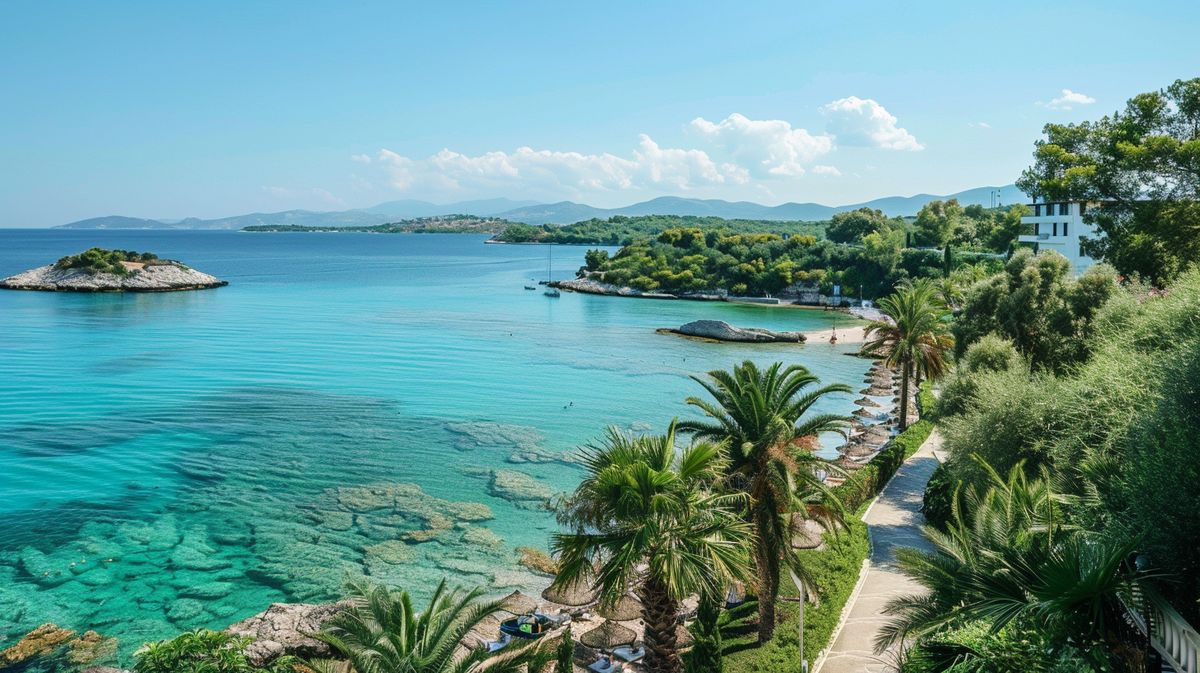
(161, 109)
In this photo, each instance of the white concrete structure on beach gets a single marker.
(1059, 226)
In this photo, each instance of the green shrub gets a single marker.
(937, 503)
(834, 571)
(203, 651)
(99, 260)
(564, 653)
(975, 648)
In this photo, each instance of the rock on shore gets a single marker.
(720, 330)
(151, 278)
(285, 628)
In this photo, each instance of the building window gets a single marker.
(1064, 228)
(1037, 227)
(1064, 209)
(1037, 210)
(1054, 225)
(1082, 208)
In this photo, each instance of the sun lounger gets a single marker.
(630, 653)
(602, 666)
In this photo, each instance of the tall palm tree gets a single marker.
(1008, 557)
(645, 519)
(381, 632)
(758, 413)
(913, 338)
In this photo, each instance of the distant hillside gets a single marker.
(563, 212)
(447, 224)
(383, 213)
(567, 212)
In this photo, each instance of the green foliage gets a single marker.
(853, 225)
(991, 353)
(938, 500)
(203, 651)
(381, 632)
(1039, 306)
(644, 517)
(707, 652)
(99, 260)
(623, 230)
(940, 222)
(758, 413)
(440, 224)
(976, 647)
(1139, 166)
(564, 653)
(833, 571)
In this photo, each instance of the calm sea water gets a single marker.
(386, 405)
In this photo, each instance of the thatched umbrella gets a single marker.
(487, 629)
(864, 413)
(683, 637)
(577, 593)
(520, 604)
(865, 391)
(877, 391)
(626, 608)
(866, 402)
(806, 533)
(608, 635)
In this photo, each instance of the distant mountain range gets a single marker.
(563, 212)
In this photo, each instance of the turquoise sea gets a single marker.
(395, 406)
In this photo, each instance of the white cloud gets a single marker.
(360, 158)
(863, 121)
(766, 147)
(979, 125)
(826, 170)
(550, 171)
(1068, 100)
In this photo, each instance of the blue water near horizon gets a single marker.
(389, 406)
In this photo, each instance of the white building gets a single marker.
(1059, 226)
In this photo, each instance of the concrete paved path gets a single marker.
(893, 521)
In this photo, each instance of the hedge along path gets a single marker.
(894, 520)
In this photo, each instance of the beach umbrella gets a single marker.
(626, 608)
(806, 533)
(608, 635)
(487, 629)
(520, 604)
(866, 402)
(683, 637)
(864, 413)
(579, 592)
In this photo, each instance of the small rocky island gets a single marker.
(719, 330)
(100, 270)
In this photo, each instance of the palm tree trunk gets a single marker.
(903, 396)
(768, 584)
(659, 612)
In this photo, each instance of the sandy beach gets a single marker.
(845, 335)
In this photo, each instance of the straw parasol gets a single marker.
(520, 604)
(575, 594)
(608, 635)
(866, 402)
(683, 637)
(864, 413)
(626, 608)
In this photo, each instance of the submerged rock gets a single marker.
(42, 641)
(719, 330)
(283, 629)
(537, 560)
(519, 488)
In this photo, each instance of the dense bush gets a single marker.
(835, 569)
(937, 502)
(203, 651)
(99, 260)
(976, 648)
(990, 353)
(1120, 429)
(623, 229)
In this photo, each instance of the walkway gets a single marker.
(893, 521)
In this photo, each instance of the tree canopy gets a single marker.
(1143, 166)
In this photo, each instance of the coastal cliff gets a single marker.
(146, 275)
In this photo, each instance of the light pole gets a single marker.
(800, 588)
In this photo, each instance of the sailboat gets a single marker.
(550, 291)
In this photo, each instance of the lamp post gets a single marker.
(800, 588)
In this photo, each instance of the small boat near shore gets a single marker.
(530, 287)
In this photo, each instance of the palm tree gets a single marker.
(645, 519)
(759, 414)
(382, 633)
(914, 337)
(1007, 557)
